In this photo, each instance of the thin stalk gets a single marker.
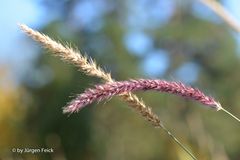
(219, 106)
(233, 116)
(178, 142)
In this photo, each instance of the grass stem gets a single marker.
(178, 142)
(224, 110)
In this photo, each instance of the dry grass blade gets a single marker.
(90, 68)
(223, 13)
(231, 21)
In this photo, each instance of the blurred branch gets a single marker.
(223, 13)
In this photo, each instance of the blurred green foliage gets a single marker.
(110, 130)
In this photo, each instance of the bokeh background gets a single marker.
(176, 40)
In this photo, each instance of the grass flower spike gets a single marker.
(105, 91)
(89, 67)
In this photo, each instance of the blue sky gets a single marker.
(15, 53)
(18, 54)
